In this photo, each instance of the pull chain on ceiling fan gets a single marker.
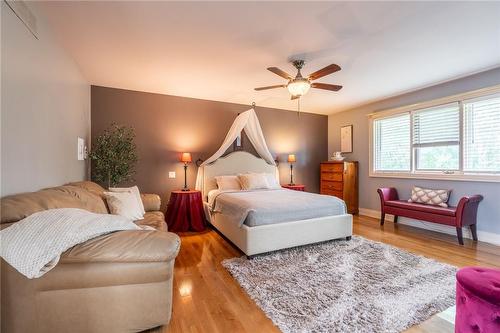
(298, 86)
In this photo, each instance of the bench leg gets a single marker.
(473, 230)
(382, 219)
(459, 235)
(395, 219)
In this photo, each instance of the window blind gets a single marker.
(437, 126)
(392, 143)
(482, 135)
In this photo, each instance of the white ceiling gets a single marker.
(220, 51)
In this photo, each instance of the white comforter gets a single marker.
(34, 245)
(260, 207)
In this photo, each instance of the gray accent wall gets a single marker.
(489, 209)
(167, 125)
(45, 106)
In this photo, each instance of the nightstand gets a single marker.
(185, 211)
(295, 187)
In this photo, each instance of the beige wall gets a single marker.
(167, 125)
(45, 107)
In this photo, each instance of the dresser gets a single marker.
(341, 180)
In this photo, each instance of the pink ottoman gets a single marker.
(478, 300)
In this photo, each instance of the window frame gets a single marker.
(415, 173)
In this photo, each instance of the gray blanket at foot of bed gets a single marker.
(261, 207)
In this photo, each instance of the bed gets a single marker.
(262, 221)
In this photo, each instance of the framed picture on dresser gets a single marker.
(346, 139)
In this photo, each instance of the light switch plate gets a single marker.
(171, 174)
(81, 149)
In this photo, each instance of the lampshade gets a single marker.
(299, 87)
(291, 158)
(186, 158)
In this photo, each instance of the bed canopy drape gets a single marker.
(248, 122)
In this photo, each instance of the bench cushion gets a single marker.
(448, 211)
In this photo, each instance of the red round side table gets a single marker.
(185, 211)
(296, 187)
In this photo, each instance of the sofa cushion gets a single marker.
(17, 207)
(154, 219)
(126, 246)
(89, 186)
(449, 211)
(151, 202)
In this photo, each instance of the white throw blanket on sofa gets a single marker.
(34, 245)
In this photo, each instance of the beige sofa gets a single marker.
(120, 282)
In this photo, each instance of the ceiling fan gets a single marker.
(299, 85)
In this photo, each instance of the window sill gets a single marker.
(492, 178)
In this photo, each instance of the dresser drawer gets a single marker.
(336, 177)
(338, 194)
(332, 186)
(332, 167)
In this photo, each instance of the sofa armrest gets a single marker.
(151, 202)
(387, 193)
(126, 246)
(467, 210)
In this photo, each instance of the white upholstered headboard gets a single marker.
(233, 164)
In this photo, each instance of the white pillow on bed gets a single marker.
(253, 181)
(272, 182)
(228, 183)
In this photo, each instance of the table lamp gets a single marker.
(291, 160)
(186, 158)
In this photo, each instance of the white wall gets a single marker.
(489, 209)
(45, 106)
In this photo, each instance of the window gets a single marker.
(482, 135)
(392, 143)
(436, 137)
(450, 138)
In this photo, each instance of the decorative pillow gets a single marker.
(253, 181)
(429, 196)
(124, 204)
(272, 182)
(135, 191)
(228, 183)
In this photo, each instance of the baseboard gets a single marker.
(483, 236)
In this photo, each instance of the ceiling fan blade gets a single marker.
(279, 72)
(326, 86)
(295, 97)
(324, 71)
(271, 87)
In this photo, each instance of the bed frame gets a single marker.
(271, 237)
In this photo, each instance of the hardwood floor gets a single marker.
(207, 299)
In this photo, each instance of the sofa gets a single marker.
(464, 214)
(118, 282)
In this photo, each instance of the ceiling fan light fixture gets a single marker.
(299, 87)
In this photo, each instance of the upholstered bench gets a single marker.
(464, 214)
(478, 300)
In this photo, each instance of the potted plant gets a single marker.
(114, 155)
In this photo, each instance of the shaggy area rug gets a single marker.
(346, 286)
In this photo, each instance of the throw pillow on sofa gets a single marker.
(430, 196)
(124, 204)
(135, 191)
